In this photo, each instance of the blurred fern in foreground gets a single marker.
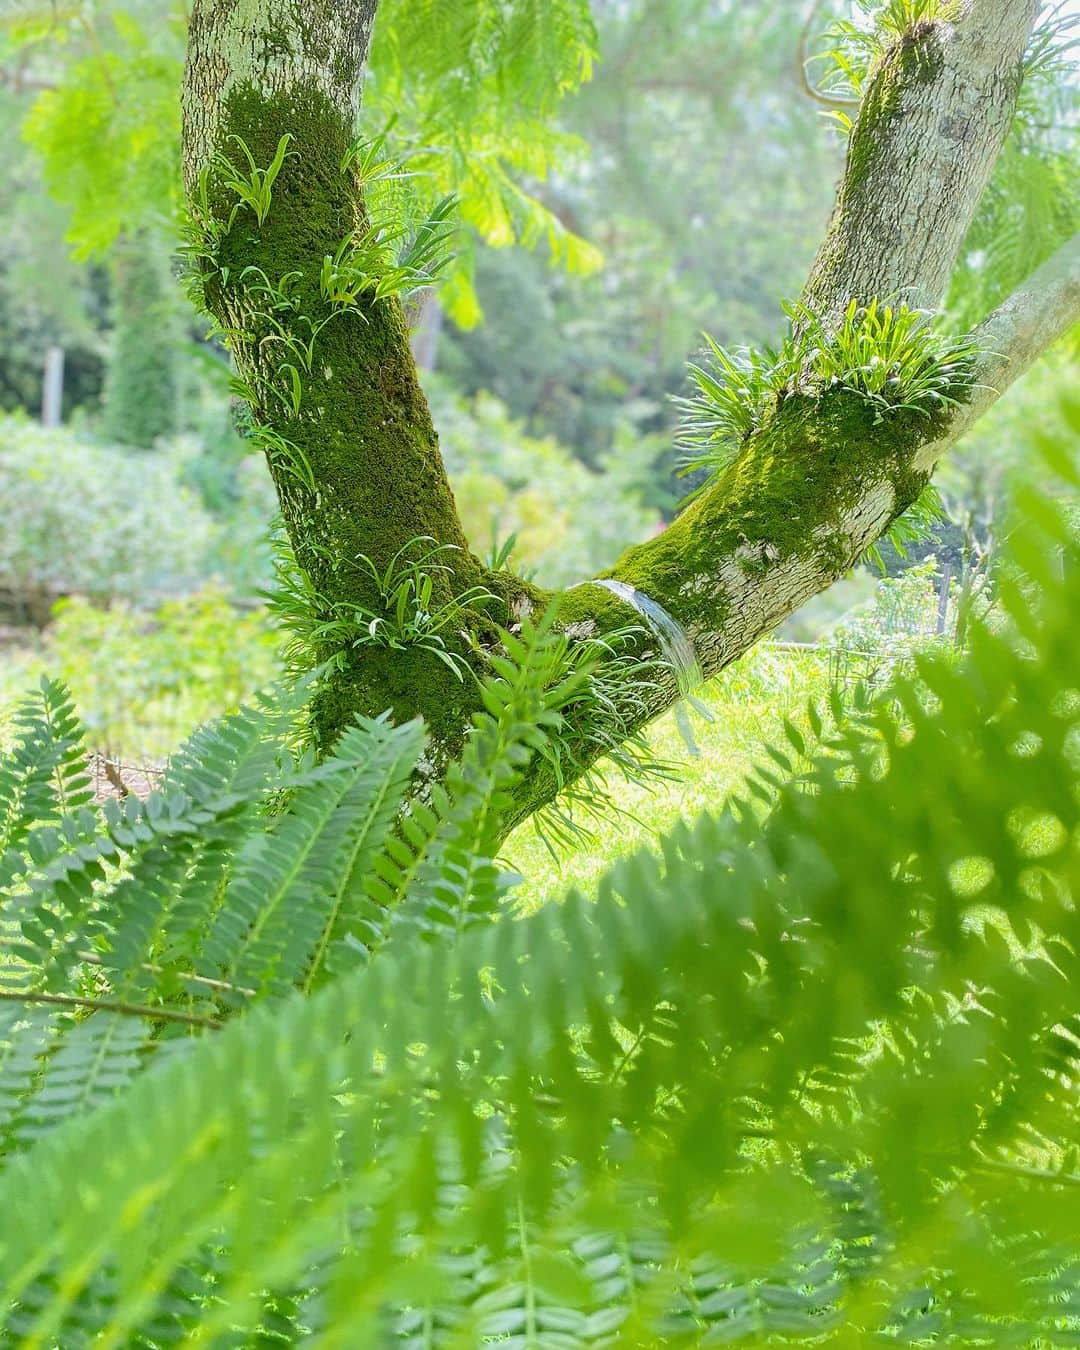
(292, 1075)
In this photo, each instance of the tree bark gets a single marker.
(924, 144)
(344, 396)
(818, 483)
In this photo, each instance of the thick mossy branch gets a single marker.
(790, 493)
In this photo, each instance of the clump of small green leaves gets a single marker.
(384, 260)
(204, 229)
(284, 455)
(408, 614)
(733, 389)
(854, 46)
(896, 358)
(593, 751)
(253, 186)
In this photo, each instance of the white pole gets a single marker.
(52, 392)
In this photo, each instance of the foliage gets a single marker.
(141, 384)
(897, 359)
(471, 92)
(1032, 204)
(34, 316)
(109, 134)
(71, 526)
(144, 681)
(481, 80)
(400, 250)
(806, 1075)
(253, 187)
(408, 611)
(886, 633)
(567, 522)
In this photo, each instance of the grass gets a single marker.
(749, 703)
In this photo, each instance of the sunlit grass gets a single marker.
(749, 703)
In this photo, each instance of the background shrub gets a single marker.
(71, 527)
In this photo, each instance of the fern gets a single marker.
(44, 775)
(806, 1072)
(460, 881)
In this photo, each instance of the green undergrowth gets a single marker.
(145, 680)
(748, 702)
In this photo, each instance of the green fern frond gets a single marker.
(728, 1099)
(460, 881)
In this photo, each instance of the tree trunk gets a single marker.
(353, 452)
(818, 483)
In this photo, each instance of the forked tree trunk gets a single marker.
(807, 494)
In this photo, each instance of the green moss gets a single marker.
(914, 60)
(363, 425)
(787, 493)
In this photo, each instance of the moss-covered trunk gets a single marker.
(331, 388)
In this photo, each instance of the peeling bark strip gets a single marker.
(810, 490)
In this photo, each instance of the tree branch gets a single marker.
(816, 484)
(802, 61)
(1039, 312)
(824, 476)
(929, 131)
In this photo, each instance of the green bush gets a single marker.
(883, 635)
(144, 681)
(808, 1073)
(93, 520)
